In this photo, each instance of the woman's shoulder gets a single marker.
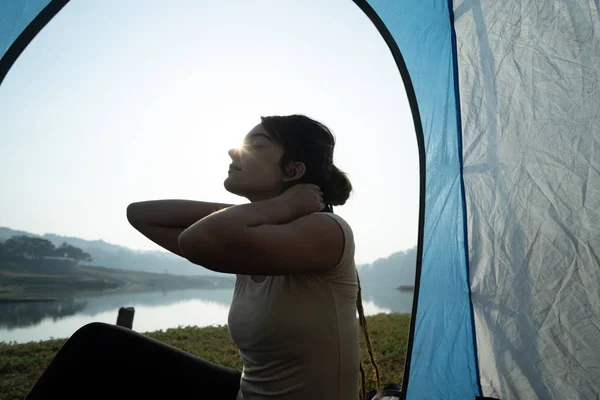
(345, 268)
(344, 225)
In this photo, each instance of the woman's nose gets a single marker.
(233, 152)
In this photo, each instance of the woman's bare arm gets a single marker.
(263, 238)
(284, 235)
(162, 221)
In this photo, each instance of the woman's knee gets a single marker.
(94, 331)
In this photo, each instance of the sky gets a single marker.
(121, 101)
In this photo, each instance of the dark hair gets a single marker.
(310, 142)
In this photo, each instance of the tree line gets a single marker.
(35, 248)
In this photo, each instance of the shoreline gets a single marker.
(135, 288)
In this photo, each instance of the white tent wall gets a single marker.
(529, 82)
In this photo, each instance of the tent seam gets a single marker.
(462, 189)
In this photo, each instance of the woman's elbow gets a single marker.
(192, 245)
(133, 213)
(201, 249)
(184, 242)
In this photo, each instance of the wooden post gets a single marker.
(125, 317)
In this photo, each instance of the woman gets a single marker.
(293, 313)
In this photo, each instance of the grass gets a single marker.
(22, 364)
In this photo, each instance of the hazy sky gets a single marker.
(119, 101)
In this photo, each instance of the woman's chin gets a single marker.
(231, 187)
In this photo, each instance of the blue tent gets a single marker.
(505, 97)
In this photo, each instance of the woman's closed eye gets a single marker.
(253, 145)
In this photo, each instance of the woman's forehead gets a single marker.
(258, 130)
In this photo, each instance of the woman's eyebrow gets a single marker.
(258, 134)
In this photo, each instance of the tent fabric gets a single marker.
(529, 79)
(20, 22)
(506, 99)
(15, 16)
(442, 360)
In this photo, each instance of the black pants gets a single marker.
(110, 362)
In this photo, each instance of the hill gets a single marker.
(115, 256)
(398, 270)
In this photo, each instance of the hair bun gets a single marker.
(338, 188)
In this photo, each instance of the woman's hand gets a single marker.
(302, 199)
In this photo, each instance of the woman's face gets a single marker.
(255, 171)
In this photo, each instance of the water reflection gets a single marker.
(23, 322)
(20, 315)
(153, 311)
(388, 298)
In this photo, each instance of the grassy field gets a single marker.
(22, 364)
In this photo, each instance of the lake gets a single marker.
(34, 321)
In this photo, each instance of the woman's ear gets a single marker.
(294, 171)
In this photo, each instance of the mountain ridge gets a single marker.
(117, 256)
